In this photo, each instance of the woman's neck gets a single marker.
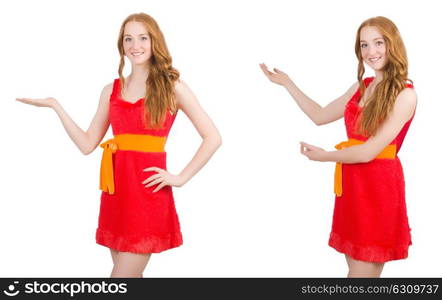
(139, 74)
(378, 76)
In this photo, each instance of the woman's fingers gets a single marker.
(277, 76)
(265, 69)
(302, 148)
(305, 146)
(158, 178)
(25, 100)
(305, 150)
(156, 181)
(30, 101)
(155, 169)
(43, 102)
(278, 71)
(155, 176)
(312, 152)
(160, 186)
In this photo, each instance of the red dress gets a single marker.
(370, 220)
(134, 219)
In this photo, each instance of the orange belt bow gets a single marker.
(128, 142)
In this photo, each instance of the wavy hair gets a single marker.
(160, 95)
(394, 79)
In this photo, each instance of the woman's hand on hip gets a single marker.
(162, 178)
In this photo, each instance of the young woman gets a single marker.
(370, 224)
(137, 212)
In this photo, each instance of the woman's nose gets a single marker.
(371, 50)
(135, 44)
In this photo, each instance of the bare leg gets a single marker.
(358, 268)
(114, 254)
(130, 264)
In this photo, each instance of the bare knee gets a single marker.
(130, 265)
(124, 273)
(358, 268)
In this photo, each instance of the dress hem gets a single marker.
(368, 253)
(151, 244)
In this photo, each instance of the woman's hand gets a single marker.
(279, 77)
(44, 102)
(162, 178)
(313, 152)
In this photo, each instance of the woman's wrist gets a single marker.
(328, 156)
(182, 179)
(289, 84)
(54, 105)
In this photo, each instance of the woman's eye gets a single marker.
(378, 43)
(363, 45)
(144, 38)
(127, 39)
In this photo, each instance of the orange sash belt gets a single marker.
(128, 142)
(389, 152)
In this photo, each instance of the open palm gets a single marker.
(43, 102)
(278, 77)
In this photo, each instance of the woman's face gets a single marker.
(136, 43)
(373, 49)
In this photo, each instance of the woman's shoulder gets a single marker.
(180, 85)
(109, 87)
(107, 90)
(408, 93)
(406, 99)
(183, 94)
(112, 86)
(181, 88)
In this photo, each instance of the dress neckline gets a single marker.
(367, 82)
(120, 96)
(128, 102)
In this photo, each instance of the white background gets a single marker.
(259, 208)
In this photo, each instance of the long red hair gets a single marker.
(394, 78)
(160, 95)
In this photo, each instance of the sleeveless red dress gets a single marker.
(134, 219)
(370, 220)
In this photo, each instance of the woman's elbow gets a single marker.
(214, 140)
(319, 118)
(319, 122)
(87, 150)
(366, 157)
(217, 141)
(87, 146)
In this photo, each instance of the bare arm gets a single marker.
(85, 141)
(188, 103)
(318, 114)
(403, 110)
